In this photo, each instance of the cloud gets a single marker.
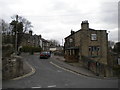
(54, 19)
(113, 35)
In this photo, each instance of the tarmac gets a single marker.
(59, 61)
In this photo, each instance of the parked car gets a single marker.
(45, 55)
(49, 54)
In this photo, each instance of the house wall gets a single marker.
(82, 40)
(100, 42)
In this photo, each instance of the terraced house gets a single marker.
(89, 47)
(35, 41)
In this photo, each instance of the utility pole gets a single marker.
(62, 42)
(16, 35)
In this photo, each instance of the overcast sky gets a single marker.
(54, 19)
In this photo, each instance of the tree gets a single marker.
(4, 26)
(111, 44)
(117, 47)
(6, 34)
(16, 31)
(26, 24)
(19, 26)
(54, 42)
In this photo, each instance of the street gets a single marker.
(49, 76)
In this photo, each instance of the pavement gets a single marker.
(77, 68)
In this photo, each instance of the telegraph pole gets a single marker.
(16, 35)
(62, 42)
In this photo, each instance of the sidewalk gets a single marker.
(76, 67)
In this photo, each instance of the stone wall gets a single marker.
(12, 67)
(98, 68)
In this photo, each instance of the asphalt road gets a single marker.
(50, 76)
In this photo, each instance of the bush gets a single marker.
(117, 69)
(31, 49)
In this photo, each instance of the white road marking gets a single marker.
(64, 68)
(52, 86)
(36, 87)
(59, 71)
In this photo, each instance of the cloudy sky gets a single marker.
(54, 19)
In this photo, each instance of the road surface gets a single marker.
(49, 76)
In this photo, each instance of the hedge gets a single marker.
(30, 49)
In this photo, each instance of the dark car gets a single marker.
(45, 55)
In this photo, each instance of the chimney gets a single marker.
(40, 36)
(30, 32)
(85, 25)
(72, 32)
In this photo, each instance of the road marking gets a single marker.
(36, 87)
(64, 68)
(59, 71)
(52, 86)
(28, 74)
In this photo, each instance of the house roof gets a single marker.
(81, 30)
(44, 40)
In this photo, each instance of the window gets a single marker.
(89, 48)
(93, 37)
(94, 48)
(98, 48)
(71, 40)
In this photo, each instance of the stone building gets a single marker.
(89, 47)
(30, 40)
(35, 41)
(45, 44)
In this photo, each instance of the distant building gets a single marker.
(35, 41)
(30, 40)
(45, 44)
(56, 48)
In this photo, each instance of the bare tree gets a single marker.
(54, 42)
(111, 44)
(4, 26)
(26, 24)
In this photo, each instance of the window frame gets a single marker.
(93, 37)
(92, 49)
